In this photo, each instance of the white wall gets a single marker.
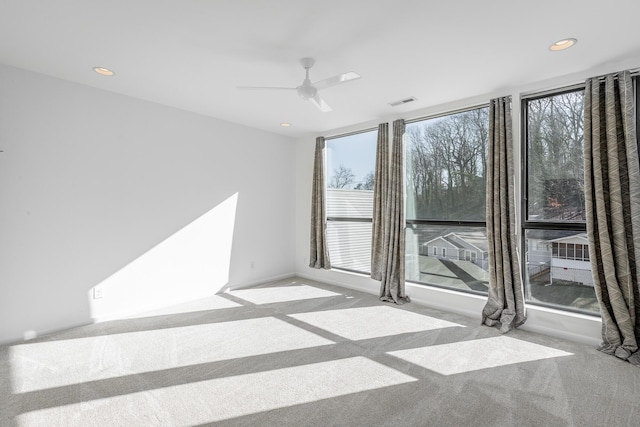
(558, 323)
(101, 189)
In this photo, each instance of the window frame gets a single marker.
(529, 224)
(338, 218)
(526, 222)
(416, 223)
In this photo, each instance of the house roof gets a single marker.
(444, 239)
(464, 240)
(581, 237)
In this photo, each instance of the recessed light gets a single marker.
(563, 44)
(103, 71)
(285, 125)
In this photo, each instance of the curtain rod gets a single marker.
(555, 91)
(355, 132)
(635, 72)
(447, 113)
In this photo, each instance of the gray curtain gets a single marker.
(379, 201)
(319, 254)
(393, 240)
(505, 304)
(612, 193)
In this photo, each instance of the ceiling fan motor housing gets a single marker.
(306, 91)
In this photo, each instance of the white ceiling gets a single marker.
(192, 54)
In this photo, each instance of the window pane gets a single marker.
(555, 139)
(570, 251)
(579, 252)
(351, 161)
(553, 279)
(446, 166)
(350, 174)
(452, 257)
(562, 250)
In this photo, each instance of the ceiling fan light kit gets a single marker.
(309, 91)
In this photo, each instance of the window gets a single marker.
(350, 174)
(554, 211)
(579, 252)
(446, 165)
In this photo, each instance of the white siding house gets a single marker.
(459, 247)
(570, 259)
(564, 258)
(349, 242)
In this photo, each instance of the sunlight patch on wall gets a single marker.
(281, 294)
(192, 263)
(38, 366)
(371, 322)
(467, 356)
(191, 404)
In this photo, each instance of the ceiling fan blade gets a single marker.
(319, 102)
(332, 81)
(265, 88)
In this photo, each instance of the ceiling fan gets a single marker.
(308, 90)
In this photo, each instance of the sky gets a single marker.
(356, 152)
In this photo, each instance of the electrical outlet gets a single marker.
(98, 292)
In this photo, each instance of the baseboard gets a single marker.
(150, 307)
(365, 283)
(143, 309)
(565, 325)
(257, 282)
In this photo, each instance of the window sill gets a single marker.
(571, 326)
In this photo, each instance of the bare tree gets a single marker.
(367, 183)
(555, 140)
(447, 166)
(342, 177)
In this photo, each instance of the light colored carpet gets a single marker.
(299, 353)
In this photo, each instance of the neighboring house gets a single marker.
(570, 259)
(459, 247)
(347, 203)
(565, 258)
(349, 242)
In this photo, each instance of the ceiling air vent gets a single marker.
(403, 101)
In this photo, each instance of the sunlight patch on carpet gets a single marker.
(371, 322)
(467, 356)
(38, 366)
(226, 398)
(281, 294)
